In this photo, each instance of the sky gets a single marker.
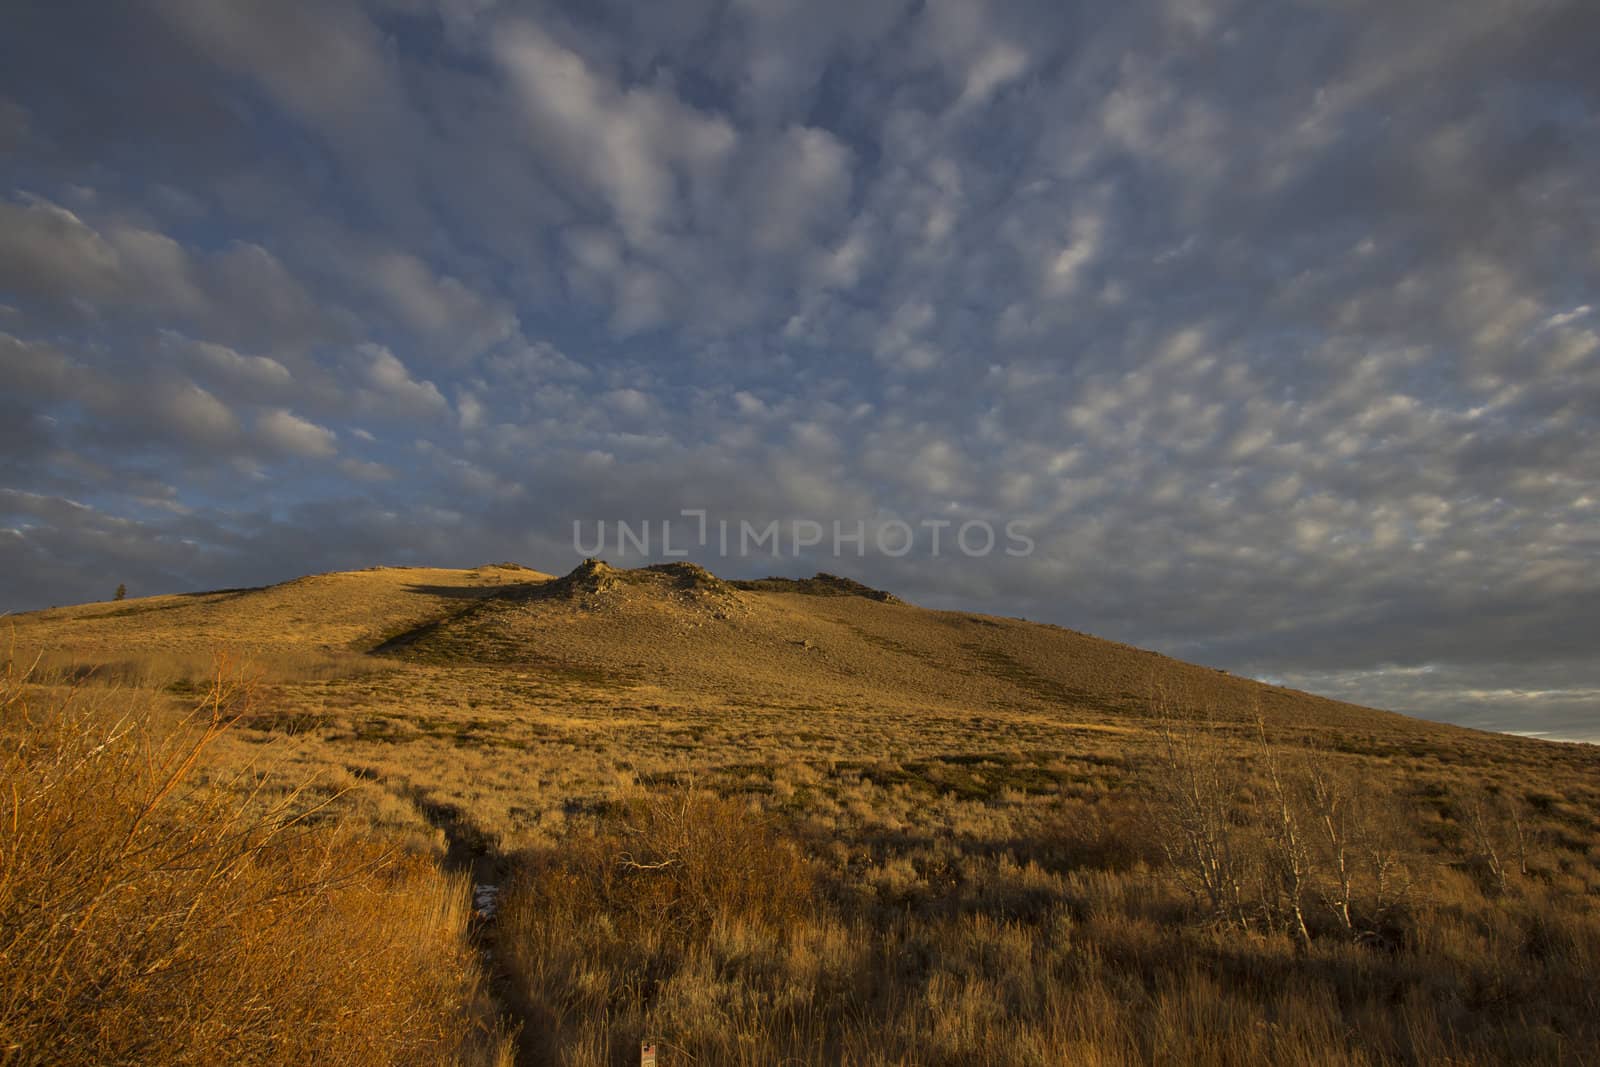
(1272, 325)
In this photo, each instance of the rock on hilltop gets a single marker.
(596, 577)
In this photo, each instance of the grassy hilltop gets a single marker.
(758, 822)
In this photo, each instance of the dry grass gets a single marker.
(763, 826)
(190, 673)
(150, 918)
(591, 928)
(1082, 926)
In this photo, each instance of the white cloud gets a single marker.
(48, 251)
(630, 402)
(193, 415)
(366, 470)
(530, 364)
(34, 368)
(287, 432)
(470, 412)
(783, 48)
(127, 269)
(634, 145)
(841, 266)
(227, 366)
(458, 321)
(1566, 317)
(1064, 273)
(642, 300)
(801, 183)
(1000, 63)
(1292, 367)
(960, 36)
(391, 391)
(324, 62)
(902, 341)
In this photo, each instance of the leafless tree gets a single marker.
(1194, 798)
(1333, 814)
(1289, 857)
(1483, 833)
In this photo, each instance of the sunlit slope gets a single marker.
(350, 610)
(683, 630)
(680, 630)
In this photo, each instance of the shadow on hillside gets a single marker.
(475, 592)
(228, 594)
(142, 607)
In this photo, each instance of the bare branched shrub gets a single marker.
(1194, 802)
(1382, 855)
(1359, 842)
(1316, 850)
(1331, 807)
(1337, 844)
(1288, 852)
(1497, 839)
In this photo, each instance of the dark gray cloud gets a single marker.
(1274, 324)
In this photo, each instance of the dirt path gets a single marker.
(469, 849)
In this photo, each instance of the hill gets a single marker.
(799, 820)
(678, 629)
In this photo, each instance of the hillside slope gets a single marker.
(341, 611)
(682, 631)
(983, 828)
(679, 627)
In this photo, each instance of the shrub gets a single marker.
(148, 917)
(672, 863)
(618, 917)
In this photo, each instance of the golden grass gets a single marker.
(1075, 933)
(762, 826)
(148, 917)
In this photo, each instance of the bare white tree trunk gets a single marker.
(1289, 858)
(1331, 804)
(1194, 797)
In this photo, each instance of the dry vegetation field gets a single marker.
(757, 823)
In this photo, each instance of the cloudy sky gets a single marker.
(1275, 324)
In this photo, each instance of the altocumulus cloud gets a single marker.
(1275, 324)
